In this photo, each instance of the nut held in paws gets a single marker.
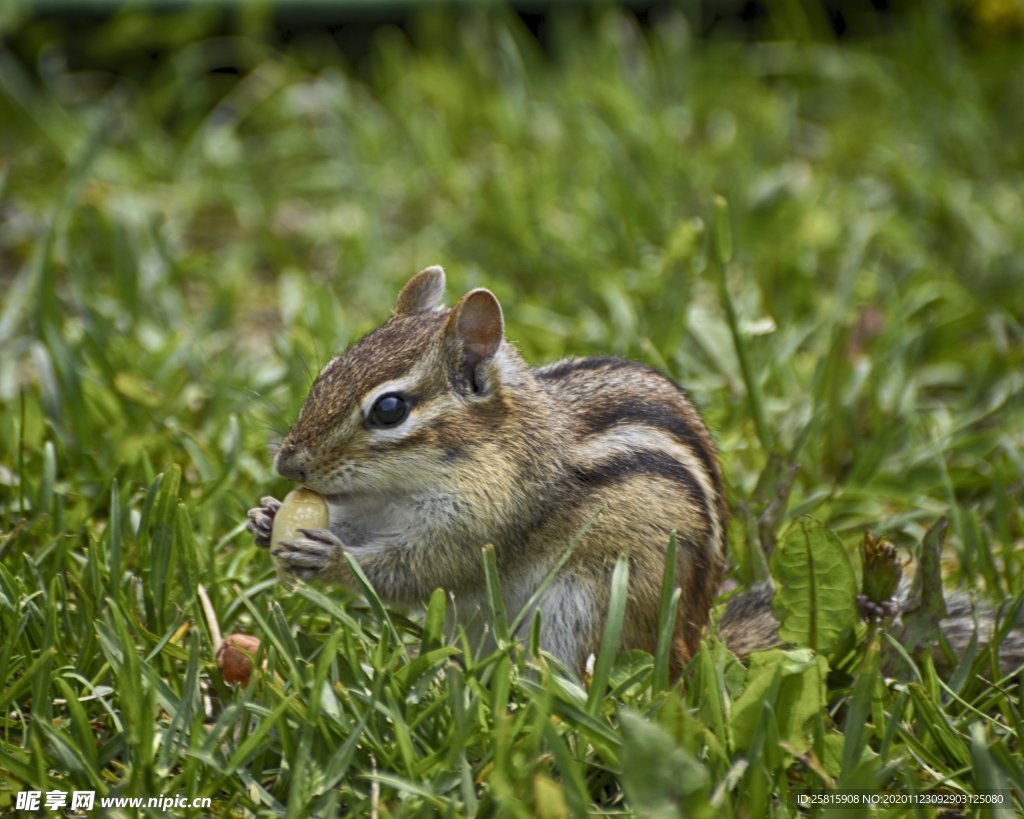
(300, 509)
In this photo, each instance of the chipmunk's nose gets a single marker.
(290, 464)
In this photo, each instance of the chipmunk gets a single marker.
(431, 437)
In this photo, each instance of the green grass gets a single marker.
(181, 250)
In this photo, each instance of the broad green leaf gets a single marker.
(815, 597)
(661, 779)
(925, 606)
(791, 684)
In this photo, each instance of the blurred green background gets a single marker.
(809, 214)
(202, 203)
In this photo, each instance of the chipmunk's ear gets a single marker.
(475, 330)
(422, 292)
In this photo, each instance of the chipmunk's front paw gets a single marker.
(319, 553)
(261, 520)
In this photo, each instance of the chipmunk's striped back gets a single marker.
(631, 419)
(639, 448)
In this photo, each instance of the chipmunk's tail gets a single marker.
(966, 617)
(747, 625)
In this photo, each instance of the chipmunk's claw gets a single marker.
(261, 520)
(309, 556)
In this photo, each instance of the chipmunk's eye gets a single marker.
(388, 410)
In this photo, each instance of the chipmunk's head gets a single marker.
(396, 411)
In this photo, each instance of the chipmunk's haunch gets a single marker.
(431, 437)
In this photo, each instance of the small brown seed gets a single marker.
(234, 658)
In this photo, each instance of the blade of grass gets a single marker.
(499, 620)
(721, 257)
(612, 637)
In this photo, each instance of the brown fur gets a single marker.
(495, 452)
